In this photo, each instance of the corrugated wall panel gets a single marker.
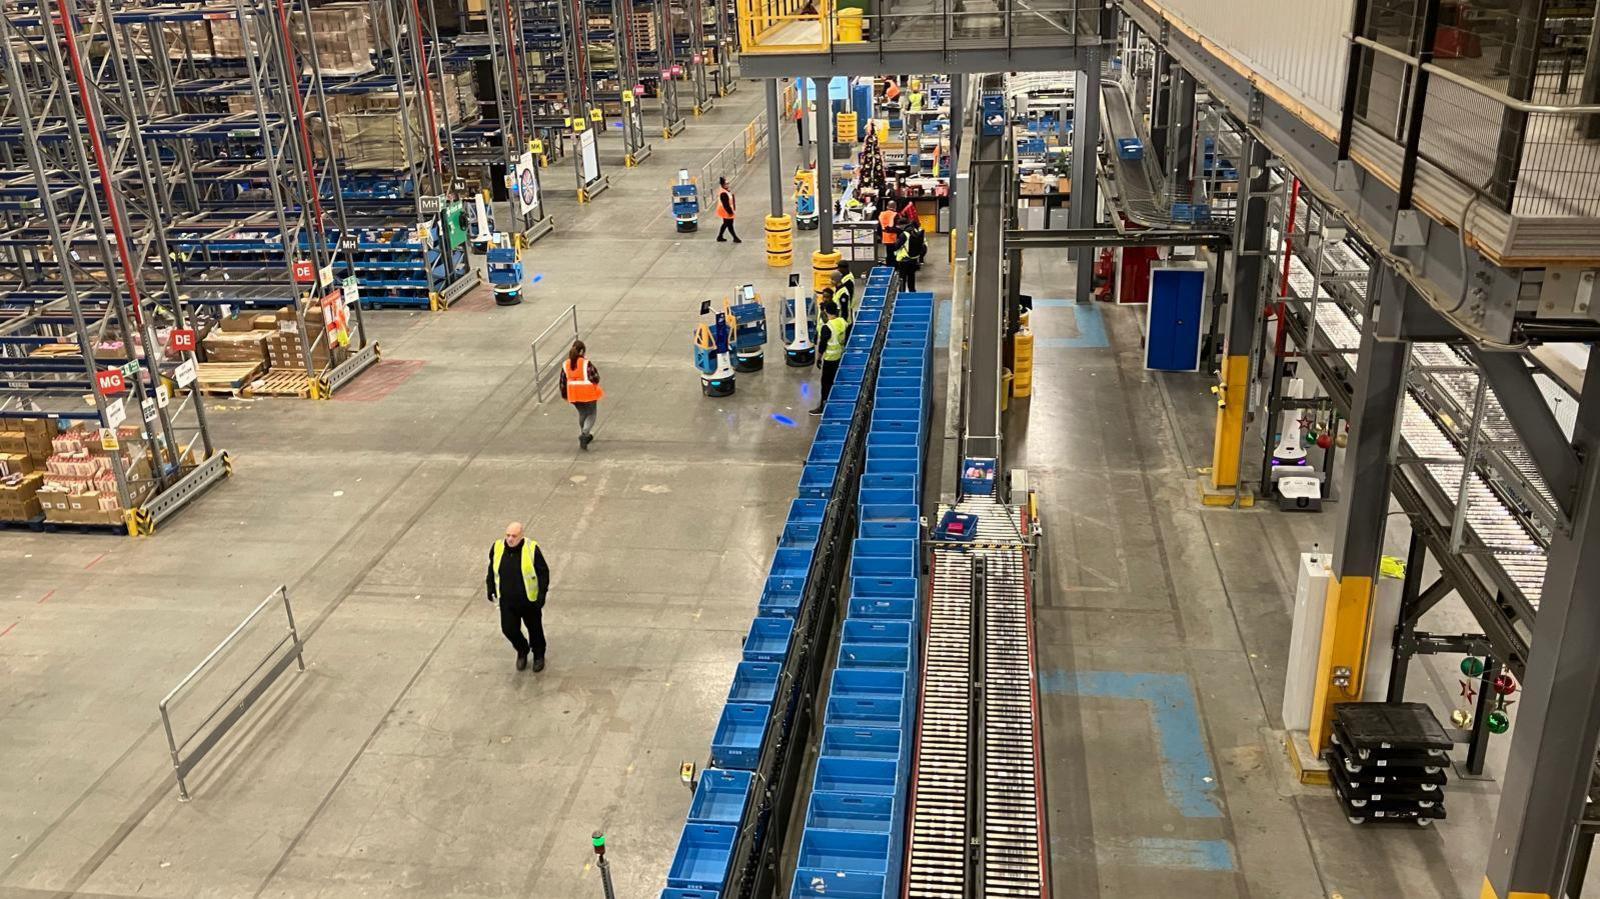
(1298, 45)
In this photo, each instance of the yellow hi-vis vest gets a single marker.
(834, 351)
(529, 580)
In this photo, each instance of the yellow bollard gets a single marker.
(847, 128)
(1022, 362)
(850, 26)
(780, 241)
(882, 127)
(1005, 389)
(823, 265)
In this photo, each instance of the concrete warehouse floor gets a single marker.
(412, 759)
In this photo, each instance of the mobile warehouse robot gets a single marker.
(748, 319)
(799, 325)
(805, 200)
(713, 352)
(686, 202)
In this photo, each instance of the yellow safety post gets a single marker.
(1022, 364)
(780, 241)
(823, 265)
(1007, 383)
(846, 128)
(882, 127)
(1342, 662)
(1232, 399)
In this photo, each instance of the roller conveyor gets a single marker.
(976, 821)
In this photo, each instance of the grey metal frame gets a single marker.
(207, 735)
(547, 371)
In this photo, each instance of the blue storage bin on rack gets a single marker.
(873, 697)
(505, 275)
(853, 842)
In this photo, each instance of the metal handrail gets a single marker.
(181, 765)
(1503, 99)
(542, 374)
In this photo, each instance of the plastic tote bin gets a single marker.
(670, 893)
(866, 567)
(824, 452)
(870, 633)
(737, 742)
(783, 595)
(816, 883)
(720, 796)
(833, 433)
(893, 549)
(887, 512)
(878, 777)
(704, 852)
(880, 607)
(873, 530)
(755, 682)
(868, 683)
(876, 480)
(838, 410)
(808, 510)
(768, 640)
(848, 393)
(800, 534)
(874, 655)
(895, 497)
(841, 741)
(844, 850)
(816, 481)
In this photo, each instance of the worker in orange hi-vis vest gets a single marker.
(725, 204)
(580, 386)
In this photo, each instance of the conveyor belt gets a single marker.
(976, 818)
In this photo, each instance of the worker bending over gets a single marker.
(519, 579)
(833, 334)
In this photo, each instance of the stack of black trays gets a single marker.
(1388, 762)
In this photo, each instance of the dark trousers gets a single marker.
(830, 368)
(727, 228)
(513, 616)
(908, 274)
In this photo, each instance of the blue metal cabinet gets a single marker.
(1172, 333)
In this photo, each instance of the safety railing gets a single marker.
(187, 752)
(546, 372)
(736, 155)
(807, 26)
(1507, 104)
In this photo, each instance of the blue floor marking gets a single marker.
(1202, 855)
(1186, 773)
(941, 325)
(1086, 318)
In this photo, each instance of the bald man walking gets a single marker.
(518, 578)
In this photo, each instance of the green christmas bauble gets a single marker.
(1472, 667)
(1498, 722)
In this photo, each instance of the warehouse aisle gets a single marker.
(1162, 635)
(411, 758)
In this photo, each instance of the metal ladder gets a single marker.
(976, 825)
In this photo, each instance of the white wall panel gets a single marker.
(1297, 45)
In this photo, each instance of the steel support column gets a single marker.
(1250, 267)
(1557, 720)
(1085, 196)
(1160, 104)
(774, 147)
(1179, 167)
(1358, 537)
(824, 134)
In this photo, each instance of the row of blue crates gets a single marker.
(853, 843)
(705, 851)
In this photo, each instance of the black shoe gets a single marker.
(538, 665)
(522, 661)
(817, 411)
(737, 240)
(584, 440)
(722, 240)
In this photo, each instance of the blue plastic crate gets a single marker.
(704, 852)
(872, 567)
(841, 741)
(816, 883)
(782, 595)
(670, 893)
(977, 476)
(755, 682)
(791, 562)
(720, 796)
(833, 432)
(878, 480)
(800, 533)
(842, 393)
(883, 607)
(897, 497)
(866, 711)
(850, 374)
(844, 850)
(875, 530)
(892, 549)
(909, 438)
(866, 633)
(808, 510)
(816, 481)
(898, 399)
(768, 640)
(868, 683)
(867, 317)
(879, 777)
(737, 742)
(898, 587)
(895, 451)
(825, 452)
(874, 656)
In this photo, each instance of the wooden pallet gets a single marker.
(226, 378)
(283, 383)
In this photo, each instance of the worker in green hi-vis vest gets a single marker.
(519, 578)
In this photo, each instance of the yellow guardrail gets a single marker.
(784, 26)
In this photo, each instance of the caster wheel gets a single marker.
(1424, 822)
(1424, 804)
(1354, 820)
(1358, 803)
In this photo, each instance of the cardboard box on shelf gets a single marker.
(19, 497)
(27, 437)
(245, 346)
(15, 463)
(264, 322)
(233, 324)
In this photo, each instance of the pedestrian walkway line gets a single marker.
(1086, 320)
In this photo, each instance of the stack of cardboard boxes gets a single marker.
(79, 483)
(285, 352)
(272, 340)
(242, 339)
(24, 447)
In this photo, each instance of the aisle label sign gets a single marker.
(596, 115)
(162, 396)
(182, 340)
(184, 373)
(115, 413)
(110, 383)
(148, 407)
(325, 275)
(430, 205)
(304, 271)
(627, 96)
